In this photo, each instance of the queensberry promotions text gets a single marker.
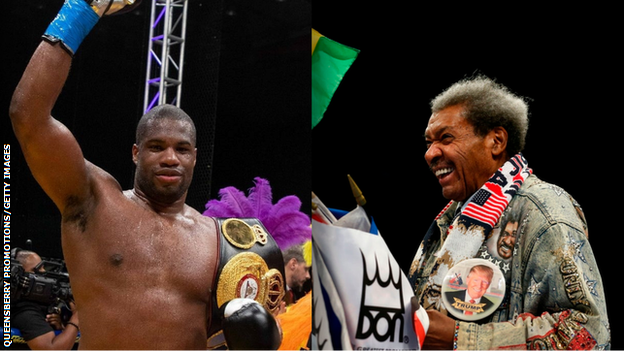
(6, 229)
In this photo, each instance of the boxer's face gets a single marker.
(165, 160)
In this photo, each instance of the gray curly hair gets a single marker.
(488, 105)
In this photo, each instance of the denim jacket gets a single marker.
(554, 297)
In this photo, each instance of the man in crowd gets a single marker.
(32, 319)
(554, 294)
(297, 272)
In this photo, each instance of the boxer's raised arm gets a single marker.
(50, 149)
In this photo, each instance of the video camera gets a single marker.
(49, 286)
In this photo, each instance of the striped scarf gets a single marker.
(478, 216)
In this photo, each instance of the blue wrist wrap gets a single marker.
(72, 24)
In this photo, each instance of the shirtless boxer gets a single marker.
(142, 262)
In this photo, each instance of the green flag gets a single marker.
(330, 62)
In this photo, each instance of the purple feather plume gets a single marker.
(288, 225)
(284, 220)
(233, 203)
(261, 197)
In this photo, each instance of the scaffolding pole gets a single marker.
(165, 58)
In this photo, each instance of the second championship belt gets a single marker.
(250, 266)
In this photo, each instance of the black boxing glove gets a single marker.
(247, 325)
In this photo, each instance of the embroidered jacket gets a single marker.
(554, 295)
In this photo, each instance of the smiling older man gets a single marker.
(554, 295)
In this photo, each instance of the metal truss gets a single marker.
(165, 57)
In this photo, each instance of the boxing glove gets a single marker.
(247, 325)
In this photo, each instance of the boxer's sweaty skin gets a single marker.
(141, 279)
(141, 262)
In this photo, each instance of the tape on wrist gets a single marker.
(72, 24)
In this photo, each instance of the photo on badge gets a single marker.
(473, 289)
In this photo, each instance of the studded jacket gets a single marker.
(554, 296)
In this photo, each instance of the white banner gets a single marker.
(361, 296)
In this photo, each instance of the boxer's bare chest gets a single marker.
(122, 240)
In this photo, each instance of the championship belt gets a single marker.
(250, 266)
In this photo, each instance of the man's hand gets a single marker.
(112, 7)
(440, 333)
(281, 309)
(63, 341)
(54, 319)
(74, 316)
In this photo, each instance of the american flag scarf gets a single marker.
(478, 216)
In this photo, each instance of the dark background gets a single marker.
(566, 61)
(246, 85)
(247, 81)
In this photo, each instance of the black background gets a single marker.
(565, 60)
